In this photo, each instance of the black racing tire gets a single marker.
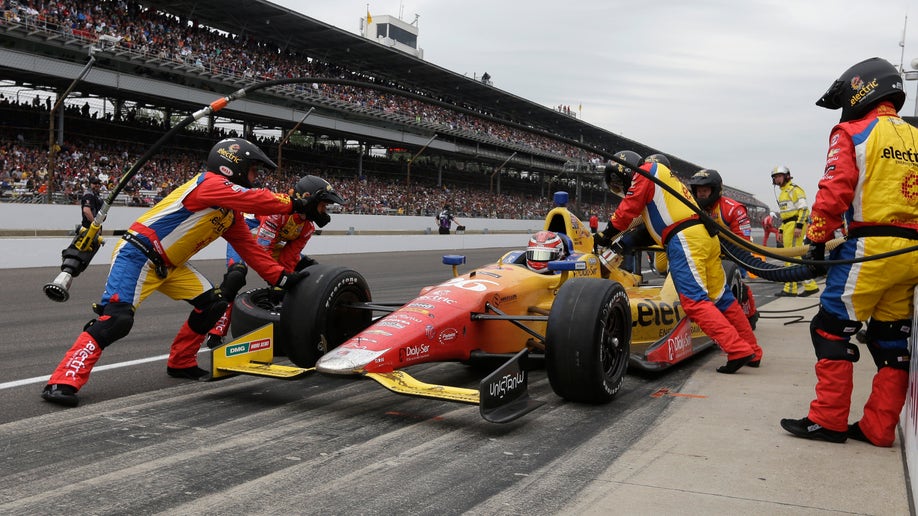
(255, 308)
(588, 340)
(315, 317)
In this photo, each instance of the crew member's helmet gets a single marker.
(772, 214)
(860, 87)
(618, 176)
(658, 158)
(316, 190)
(544, 247)
(781, 170)
(707, 177)
(233, 157)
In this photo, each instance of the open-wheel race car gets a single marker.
(584, 322)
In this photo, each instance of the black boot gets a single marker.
(186, 373)
(855, 432)
(61, 394)
(733, 366)
(809, 430)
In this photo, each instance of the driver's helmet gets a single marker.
(233, 157)
(862, 86)
(544, 247)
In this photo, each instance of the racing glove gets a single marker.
(604, 239)
(817, 253)
(287, 280)
(304, 262)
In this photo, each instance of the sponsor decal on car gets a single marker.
(247, 347)
(506, 384)
(448, 335)
(393, 324)
(656, 313)
(409, 353)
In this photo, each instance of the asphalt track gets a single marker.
(144, 443)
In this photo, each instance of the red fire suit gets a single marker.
(694, 258)
(870, 179)
(284, 236)
(732, 215)
(768, 225)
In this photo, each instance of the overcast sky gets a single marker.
(725, 84)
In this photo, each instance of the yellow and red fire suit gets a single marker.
(794, 211)
(153, 256)
(871, 180)
(694, 259)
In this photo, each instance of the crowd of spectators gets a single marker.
(155, 34)
(24, 161)
(24, 176)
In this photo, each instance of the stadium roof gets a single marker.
(291, 30)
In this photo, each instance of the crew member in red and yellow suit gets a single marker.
(870, 181)
(153, 256)
(794, 211)
(284, 236)
(707, 188)
(694, 255)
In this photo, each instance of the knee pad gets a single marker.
(233, 281)
(838, 348)
(893, 352)
(115, 322)
(208, 308)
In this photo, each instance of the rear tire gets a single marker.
(588, 340)
(314, 316)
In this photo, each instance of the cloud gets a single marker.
(724, 84)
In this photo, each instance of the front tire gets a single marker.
(315, 316)
(588, 340)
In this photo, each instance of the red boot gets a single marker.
(834, 383)
(881, 413)
(73, 371)
(183, 356)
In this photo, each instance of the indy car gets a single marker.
(583, 323)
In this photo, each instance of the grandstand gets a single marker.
(154, 61)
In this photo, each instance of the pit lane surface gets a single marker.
(143, 443)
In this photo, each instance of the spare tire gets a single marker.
(316, 315)
(254, 309)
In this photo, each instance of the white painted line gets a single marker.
(44, 379)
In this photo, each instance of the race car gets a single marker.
(584, 323)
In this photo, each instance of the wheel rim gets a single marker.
(613, 348)
(265, 300)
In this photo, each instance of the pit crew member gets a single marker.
(707, 188)
(153, 255)
(694, 254)
(284, 235)
(869, 181)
